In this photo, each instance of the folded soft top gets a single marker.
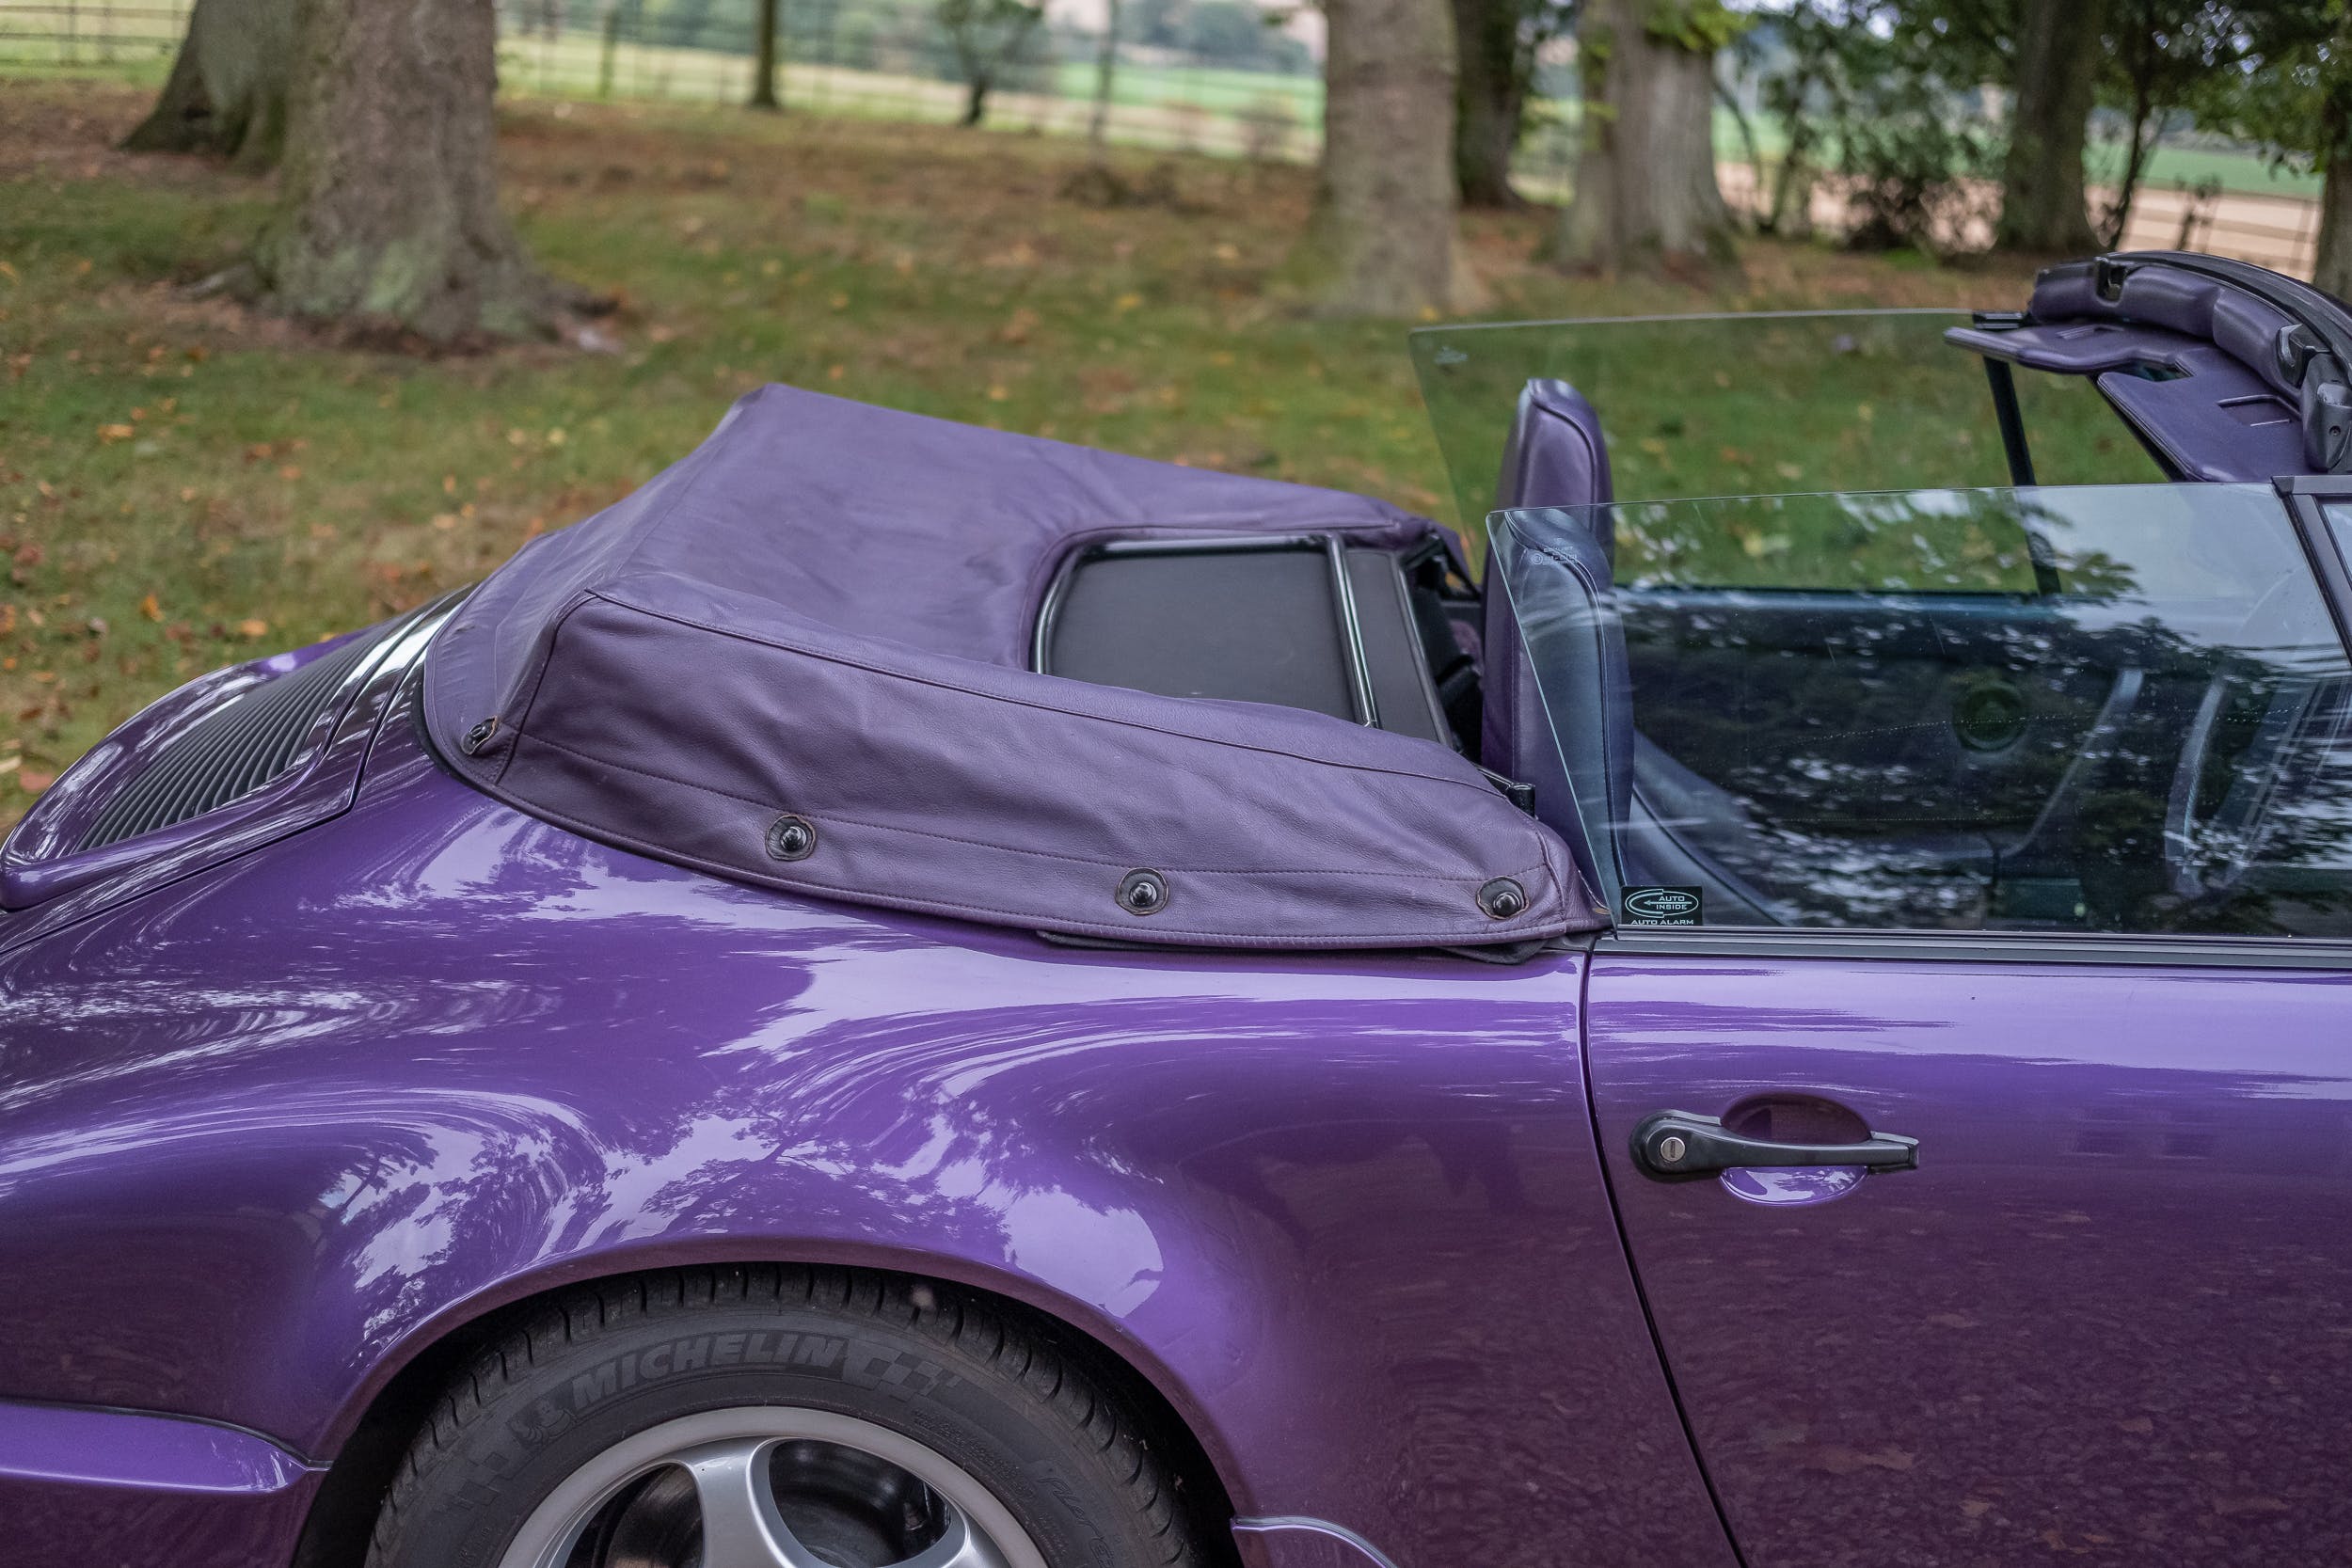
(798, 658)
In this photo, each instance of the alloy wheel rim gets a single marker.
(770, 1486)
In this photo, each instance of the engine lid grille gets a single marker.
(254, 738)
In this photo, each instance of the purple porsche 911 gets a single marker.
(909, 995)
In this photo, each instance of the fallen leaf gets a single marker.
(254, 628)
(112, 433)
(151, 607)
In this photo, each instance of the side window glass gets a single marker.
(2105, 709)
(2340, 527)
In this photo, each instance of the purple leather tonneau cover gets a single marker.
(825, 611)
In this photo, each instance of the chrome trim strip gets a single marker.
(1317, 1527)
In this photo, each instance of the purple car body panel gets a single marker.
(105, 1487)
(2108, 1315)
(294, 1092)
(274, 1127)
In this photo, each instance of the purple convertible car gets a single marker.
(912, 995)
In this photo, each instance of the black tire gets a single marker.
(994, 1395)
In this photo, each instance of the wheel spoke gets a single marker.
(961, 1547)
(741, 1526)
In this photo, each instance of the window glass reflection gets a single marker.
(2115, 708)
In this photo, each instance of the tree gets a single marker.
(1496, 43)
(1380, 240)
(988, 37)
(1106, 73)
(763, 57)
(2292, 91)
(2057, 57)
(1646, 188)
(387, 214)
(227, 91)
(2158, 52)
(1871, 104)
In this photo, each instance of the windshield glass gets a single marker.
(2108, 708)
(1760, 403)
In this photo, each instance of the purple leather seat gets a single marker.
(1556, 457)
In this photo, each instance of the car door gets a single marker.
(2109, 1314)
(1972, 1061)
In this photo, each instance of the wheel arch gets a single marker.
(400, 1396)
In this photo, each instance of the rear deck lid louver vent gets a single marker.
(255, 737)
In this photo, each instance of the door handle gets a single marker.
(1673, 1144)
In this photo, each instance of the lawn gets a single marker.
(183, 484)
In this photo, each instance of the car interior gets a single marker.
(1848, 753)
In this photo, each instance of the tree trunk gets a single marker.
(1646, 190)
(227, 92)
(2333, 271)
(2059, 57)
(1106, 71)
(974, 101)
(764, 64)
(387, 214)
(608, 48)
(1381, 241)
(1490, 100)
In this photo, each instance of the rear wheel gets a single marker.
(779, 1417)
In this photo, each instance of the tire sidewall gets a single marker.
(612, 1381)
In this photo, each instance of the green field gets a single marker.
(1190, 107)
(183, 484)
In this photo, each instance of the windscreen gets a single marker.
(2104, 708)
(1762, 403)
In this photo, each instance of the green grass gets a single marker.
(183, 484)
(1210, 88)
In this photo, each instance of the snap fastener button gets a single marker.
(791, 838)
(1143, 892)
(1502, 898)
(479, 735)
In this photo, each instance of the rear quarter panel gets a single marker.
(267, 1131)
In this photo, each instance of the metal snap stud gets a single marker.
(1502, 898)
(1143, 892)
(479, 735)
(791, 838)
